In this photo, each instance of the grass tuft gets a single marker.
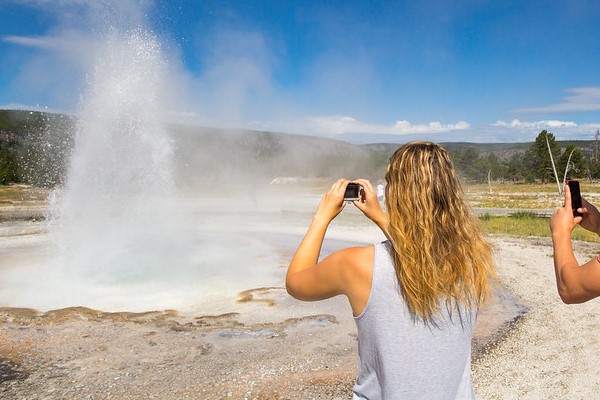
(526, 224)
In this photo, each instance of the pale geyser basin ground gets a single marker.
(249, 339)
(227, 244)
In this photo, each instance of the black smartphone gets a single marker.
(352, 192)
(575, 197)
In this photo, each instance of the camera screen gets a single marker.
(352, 190)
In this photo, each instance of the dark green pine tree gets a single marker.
(537, 160)
(577, 163)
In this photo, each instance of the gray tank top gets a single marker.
(404, 358)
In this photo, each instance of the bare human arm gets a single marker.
(575, 283)
(342, 272)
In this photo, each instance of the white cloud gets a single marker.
(342, 124)
(43, 42)
(544, 124)
(55, 71)
(50, 3)
(345, 124)
(517, 130)
(405, 127)
(91, 15)
(582, 99)
(53, 5)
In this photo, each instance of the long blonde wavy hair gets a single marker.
(440, 252)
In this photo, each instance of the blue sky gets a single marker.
(362, 71)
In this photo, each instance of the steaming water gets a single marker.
(116, 221)
(120, 237)
(232, 244)
(115, 210)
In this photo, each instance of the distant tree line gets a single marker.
(532, 165)
(35, 149)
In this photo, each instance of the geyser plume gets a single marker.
(120, 237)
(115, 220)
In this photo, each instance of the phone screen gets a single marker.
(575, 197)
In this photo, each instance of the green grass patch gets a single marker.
(525, 224)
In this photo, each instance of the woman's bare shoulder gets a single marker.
(357, 275)
(356, 260)
(357, 253)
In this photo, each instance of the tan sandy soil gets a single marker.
(552, 352)
(82, 353)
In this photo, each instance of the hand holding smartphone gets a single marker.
(575, 197)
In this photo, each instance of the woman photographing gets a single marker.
(414, 297)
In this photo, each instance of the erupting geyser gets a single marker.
(120, 236)
(115, 218)
(117, 234)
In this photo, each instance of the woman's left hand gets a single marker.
(369, 203)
